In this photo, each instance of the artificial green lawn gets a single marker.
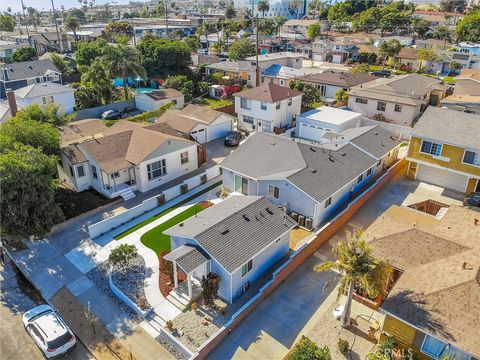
(156, 240)
(165, 212)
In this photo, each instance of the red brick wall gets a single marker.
(304, 253)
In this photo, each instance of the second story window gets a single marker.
(263, 105)
(381, 106)
(277, 105)
(361, 100)
(245, 104)
(184, 157)
(398, 108)
(431, 148)
(80, 171)
(472, 158)
(273, 191)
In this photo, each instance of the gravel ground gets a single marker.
(170, 348)
(130, 281)
(99, 276)
(196, 327)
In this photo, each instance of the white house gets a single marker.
(286, 58)
(198, 122)
(314, 124)
(154, 100)
(46, 93)
(267, 107)
(124, 158)
(238, 239)
(311, 181)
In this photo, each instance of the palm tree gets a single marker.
(73, 24)
(316, 6)
(263, 6)
(357, 268)
(124, 62)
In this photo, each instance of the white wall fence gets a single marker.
(113, 222)
(403, 132)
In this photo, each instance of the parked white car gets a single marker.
(49, 331)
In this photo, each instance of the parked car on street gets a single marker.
(382, 73)
(472, 199)
(233, 138)
(111, 115)
(49, 331)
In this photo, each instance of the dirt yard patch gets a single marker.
(296, 235)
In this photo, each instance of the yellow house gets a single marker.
(433, 308)
(445, 149)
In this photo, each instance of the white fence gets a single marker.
(403, 132)
(113, 222)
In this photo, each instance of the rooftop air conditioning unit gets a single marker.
(294, 216)
(301, 220)
(309, 223)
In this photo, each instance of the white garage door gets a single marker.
(441, 178)
(337, 59)
(317, 57)
(310, 132)
(199, 135)
(219, 130)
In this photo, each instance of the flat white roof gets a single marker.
(330, 115)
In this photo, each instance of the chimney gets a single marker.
(12, 103)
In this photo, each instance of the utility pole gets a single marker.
(166, 17)
(257, 68)
(56, 28)
(26, 23)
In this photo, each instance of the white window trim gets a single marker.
(248, 270)
(463, 157)
(273, 187)
(432, 142)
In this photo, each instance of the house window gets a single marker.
(471, 158)
(398, 108)
(263, 79)
(184, 157)
(247, 267)
(273, 191)
(47, 100)
(361, 100)
(245, 104)
(360, 178)
(282, 82)
(433, 347)
(156, 169)
(94, 172)
(263, 105)
(249, 77)
(328, 202)
(248, 119)
(369, 172)
(290, 102)
(381, 106)
(241, 185)
(431, 148)
(71, 172)
(277, 105)
(379, 162)
(115, 175)
(80, 171)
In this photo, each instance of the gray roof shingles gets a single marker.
(28, 69)
(187, 257)
(377, 141)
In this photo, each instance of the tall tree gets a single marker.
(88, 51)
(181, 83)
(457, 6)
(316, 7)
(357, 268)
(389, 48)
(263, 6)
(294, 7)
(118, 28)
(240, 50)
(26, 53)
(72, 24)
(314, 31)
(95, 87)
(468, 29)
(27, 193)
(48, 114)
(7, 22)
(427, 55)
(230, 12)
(124, 62)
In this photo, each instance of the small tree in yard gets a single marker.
(341, 96)
(121, 256)
(306, 349)
(210, 285)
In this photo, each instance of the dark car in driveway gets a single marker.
(111, 115)
(472, 199)
(233, 138)
(382, 73)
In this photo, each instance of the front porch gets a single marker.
(122, 182)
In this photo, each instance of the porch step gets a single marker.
(155, 321)
(177, 301)
(441, 213)
(126, 194)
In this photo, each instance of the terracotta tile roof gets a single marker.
(439, 289)
(270, 93)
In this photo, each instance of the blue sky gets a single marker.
(46, 4)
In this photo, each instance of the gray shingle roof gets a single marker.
(329, 171)
(450, 126)
(41, 89)
(232, 66)
(236, 230)
(376, 141)
(27, 69)
(188, 257)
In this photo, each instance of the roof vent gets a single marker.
(312, 149)
(245, 217)
(223, 230)
(312, 170)
(30, 67)
(272, 143)
(331, 159)
(269, 211)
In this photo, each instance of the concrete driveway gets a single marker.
(217, 151)
(271, 329)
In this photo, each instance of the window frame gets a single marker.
(277, 105)
(248, 117)
(428, 353)
(162, 168)
(398, 108)
(327, 202)
(184, 158)
(115, 175)
(93, 168)
(263, 105)
(476, 157)
(290, 102)
(77, 168)
(381, 106)
(247, 267)
(272, 189)
(245, 104)
(360, 179)
(438, 146)
(369, 172)
(360, 100)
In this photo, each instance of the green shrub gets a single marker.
(210, 285)
(306, 349)
(343, 346)
(121, 256)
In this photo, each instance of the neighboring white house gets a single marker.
(124, 158)
(314, 124)
(311, 181)
(198, 122)
(267, 107)
(157, 98)
(399, 100)
(287, 58)
(238, 239)
(45, 94)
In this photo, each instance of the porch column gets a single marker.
(189, 279)
(175, 279)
